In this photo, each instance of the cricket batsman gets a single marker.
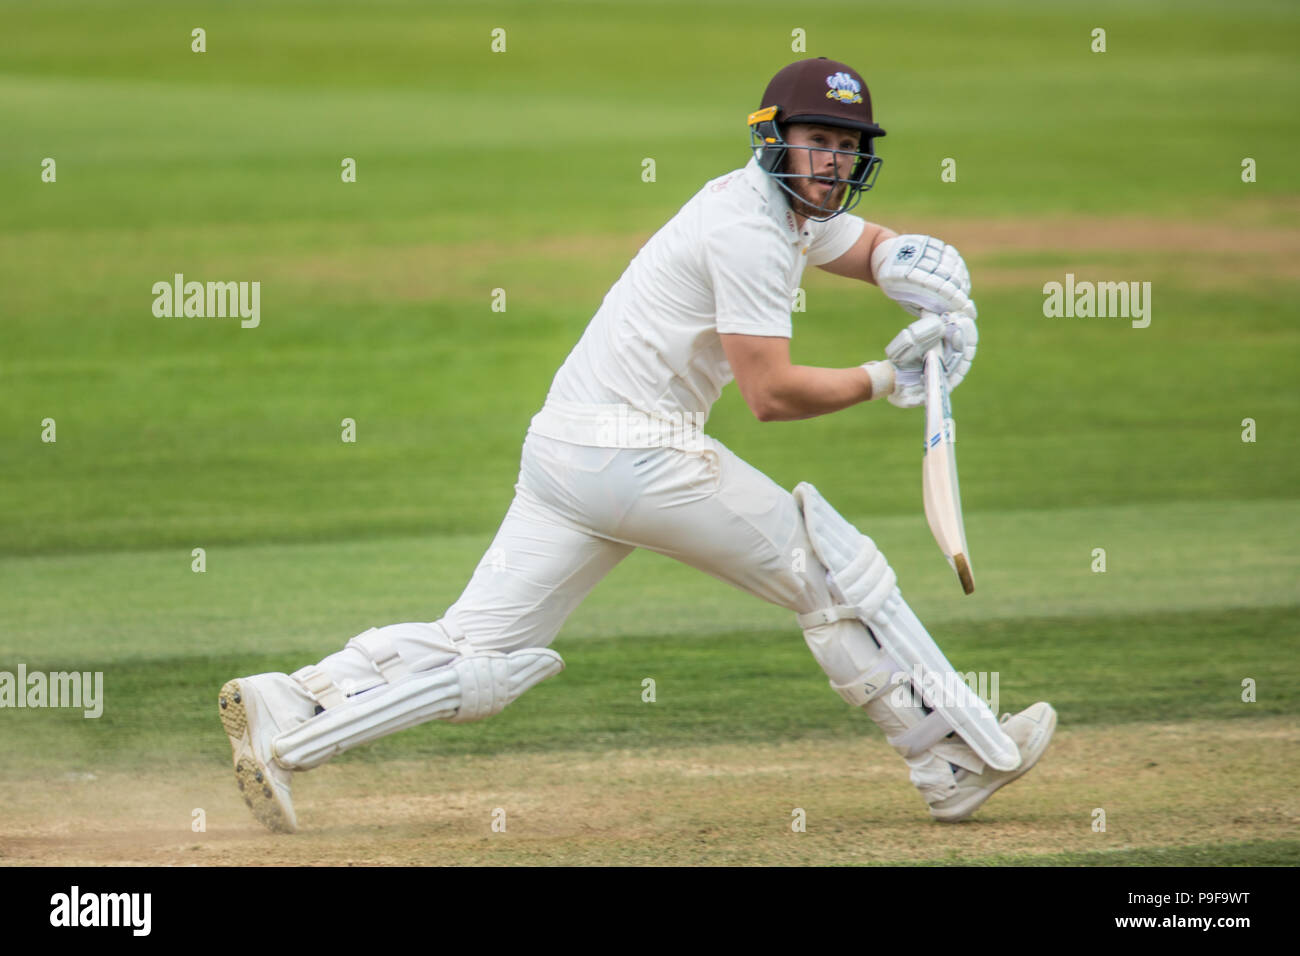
(617, 459)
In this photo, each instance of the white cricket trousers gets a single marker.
(579, 510)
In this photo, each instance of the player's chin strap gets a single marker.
(896, 661)
(473, 685)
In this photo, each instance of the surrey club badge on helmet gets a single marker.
(844, 88)
(825, 93)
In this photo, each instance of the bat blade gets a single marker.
(941, 493)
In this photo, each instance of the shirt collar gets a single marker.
(775, 203)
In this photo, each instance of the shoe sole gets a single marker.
(962, 811)
(251, 775)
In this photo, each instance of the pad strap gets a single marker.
(382, 652)
(923, 735)
(827, 615)
(871, 684)
(318, 684)
(459, 641)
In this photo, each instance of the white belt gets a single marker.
(619, 426)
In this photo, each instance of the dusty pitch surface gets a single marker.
(725, 804)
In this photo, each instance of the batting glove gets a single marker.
(922, 274)
(907, 353)
(909, 388)
(907, 350)
(954, 334)
(960, 336)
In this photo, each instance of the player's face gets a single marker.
(817, 165)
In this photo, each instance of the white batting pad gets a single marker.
(470, 688)
(861, 578)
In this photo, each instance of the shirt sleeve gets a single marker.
(833, 238)
(749, 277)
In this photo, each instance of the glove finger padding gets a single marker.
(960, 337)
(922, 274)
(908, 348)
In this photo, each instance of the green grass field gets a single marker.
(522, 171)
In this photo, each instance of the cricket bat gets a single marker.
(939, 473)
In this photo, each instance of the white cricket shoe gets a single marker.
(1031, 729)
(251, 725)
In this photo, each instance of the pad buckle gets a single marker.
(318, 684)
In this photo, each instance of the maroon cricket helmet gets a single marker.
(827, 93)
(821, 91)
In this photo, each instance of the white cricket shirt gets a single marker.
(728, 262)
